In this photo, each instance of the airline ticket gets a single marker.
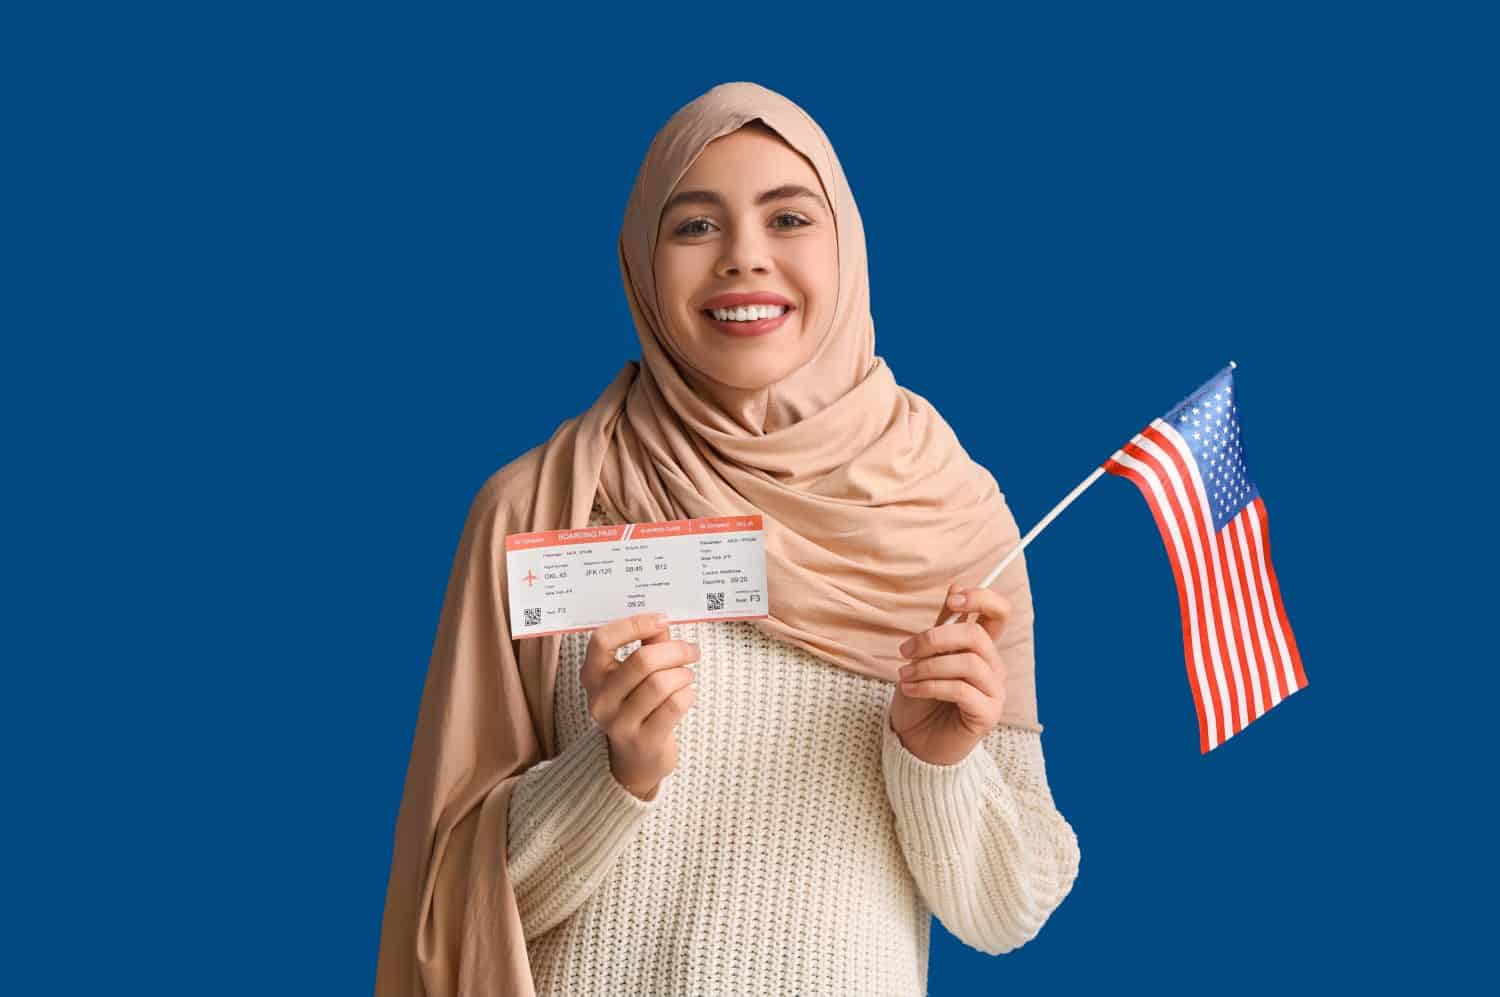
(690, 569)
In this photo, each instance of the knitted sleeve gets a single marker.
(986, 846)
(569, 821)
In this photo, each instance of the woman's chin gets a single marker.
(747, 375)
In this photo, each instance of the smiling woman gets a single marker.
(748, 234)
(733, 806)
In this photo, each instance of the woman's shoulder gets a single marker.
(509, 490)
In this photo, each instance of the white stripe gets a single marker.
(1242, 613)
(1260, 622)
(1265, 555)
(1211, 721)
(1205, 509)
(1210, 613)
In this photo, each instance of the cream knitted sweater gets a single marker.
(798, 847)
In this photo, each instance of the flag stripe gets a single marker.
(1161, 468)
(1277, 647)
(1252, 588)
(1254, 666)
(1260, 644)
(1204, 521)
(1291, 663)
(1127, 467)
(1286, 626)
(1242, 651)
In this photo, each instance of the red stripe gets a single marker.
(1262, 661)
(1215, 579)
(1266, 644)
(1244, 657)
(1200, 581)
(1286, 626)
(1114, 467)
(1243, 663)
(1257, 558)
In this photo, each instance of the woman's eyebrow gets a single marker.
(713, 196)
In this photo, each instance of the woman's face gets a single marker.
(749, 216)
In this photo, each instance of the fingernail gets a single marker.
(905, 647)
(956, 600)
(907, 671)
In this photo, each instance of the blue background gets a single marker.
(277, 281)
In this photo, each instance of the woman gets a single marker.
(577, 819)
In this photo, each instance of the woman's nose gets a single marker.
(744, 251)
(731, 269)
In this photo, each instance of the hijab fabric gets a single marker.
(871, 508)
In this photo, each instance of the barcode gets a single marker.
(715, 601)
(533, 616)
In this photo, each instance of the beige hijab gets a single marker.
(871, 508)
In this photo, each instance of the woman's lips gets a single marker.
(759, 327)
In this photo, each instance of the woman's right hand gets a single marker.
(639, 701)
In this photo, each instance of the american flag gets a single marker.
(1190, 466)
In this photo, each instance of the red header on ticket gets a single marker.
(633, 531)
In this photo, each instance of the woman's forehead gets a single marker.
(758, 167)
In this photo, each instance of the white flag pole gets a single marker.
(1030, 536)
(1011, 556)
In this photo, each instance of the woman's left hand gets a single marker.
(956, 689)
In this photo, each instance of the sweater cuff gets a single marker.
(939, 808)
(569, 820)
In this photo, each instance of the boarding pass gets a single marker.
(689, 569)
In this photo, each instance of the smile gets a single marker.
(751, 320)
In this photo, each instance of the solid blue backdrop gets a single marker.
(283, 286)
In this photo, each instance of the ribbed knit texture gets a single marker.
(798, 847)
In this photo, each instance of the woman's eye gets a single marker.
(689, 227)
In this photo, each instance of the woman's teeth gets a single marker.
(750, 313)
